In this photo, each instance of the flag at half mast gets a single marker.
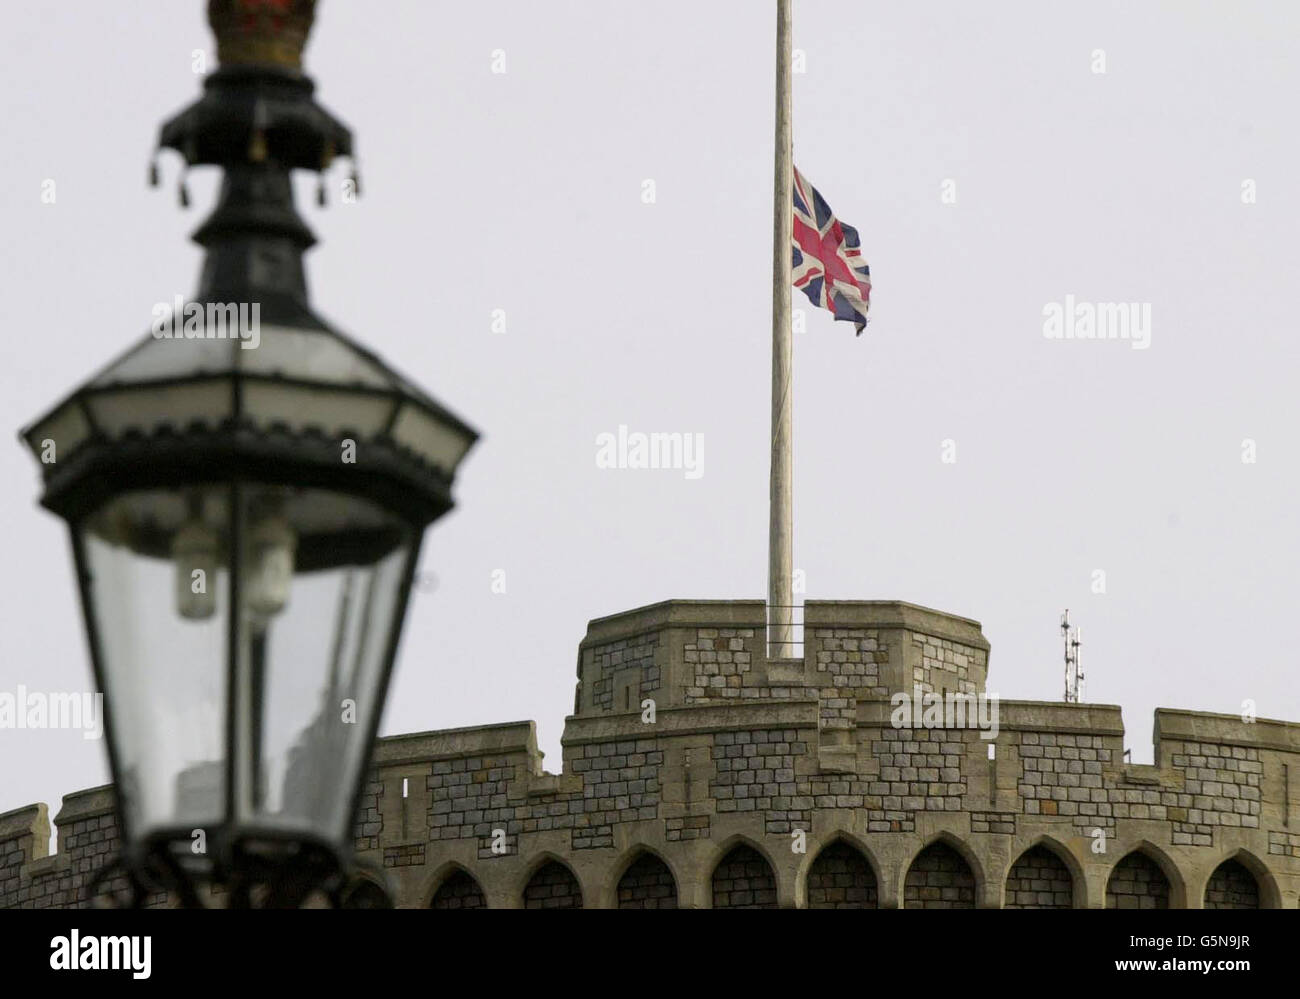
(828, 265)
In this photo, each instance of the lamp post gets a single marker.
(246, 501)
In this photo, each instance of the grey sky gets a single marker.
(522, 191)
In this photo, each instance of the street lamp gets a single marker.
(246, 501)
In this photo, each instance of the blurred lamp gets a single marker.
(246, 504)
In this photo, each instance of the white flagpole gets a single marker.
(781, 528)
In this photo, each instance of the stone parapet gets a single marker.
(698, 772)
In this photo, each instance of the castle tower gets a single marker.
(699, 773)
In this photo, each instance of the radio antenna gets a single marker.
(1070, 636)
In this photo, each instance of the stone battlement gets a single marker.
(692, 652)
(698, 772)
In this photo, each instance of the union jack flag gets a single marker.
(828, 264)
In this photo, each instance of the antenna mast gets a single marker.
(1073, 667)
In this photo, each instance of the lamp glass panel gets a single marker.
(321, 596)
(438, 442)
(304, 407)
(158, 600)
(322, 585)
(146, 408)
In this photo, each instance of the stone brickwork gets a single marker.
(30, 878)
(369, 820)
(1232, 886)
(755, 773)
(788, 781)
(942, 664)
(553, 887)
(470, 797)
(1137, 883)
(841, 878)
(460, 891)
(410, 855)
(1063, 776)
(939, 878)
(1039, 880)
(851, 660)
(1219, 785)
(688, 828)
(1284, 844)
(995, 822)
(744, 880)
(923, 771)
(636, 653)
(1222, 788)
(720, 658)
(620, 784)
(647, 884)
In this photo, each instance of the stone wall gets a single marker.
(552, 887)
(1039, 879)
(743, 879)
(755, 773)
(849, 664)
(1137, 883)
(939, 878)
(719, 658)
(623, 672)
(795, 786)
(458, 891)
(841, 878)
(32, 877)
(647, 884)
(1232, 886)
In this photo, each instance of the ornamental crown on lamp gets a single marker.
(267, 32)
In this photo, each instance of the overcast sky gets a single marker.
(1168, 180)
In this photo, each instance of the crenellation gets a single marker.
(760, 782)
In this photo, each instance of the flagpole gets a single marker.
(781, 527)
